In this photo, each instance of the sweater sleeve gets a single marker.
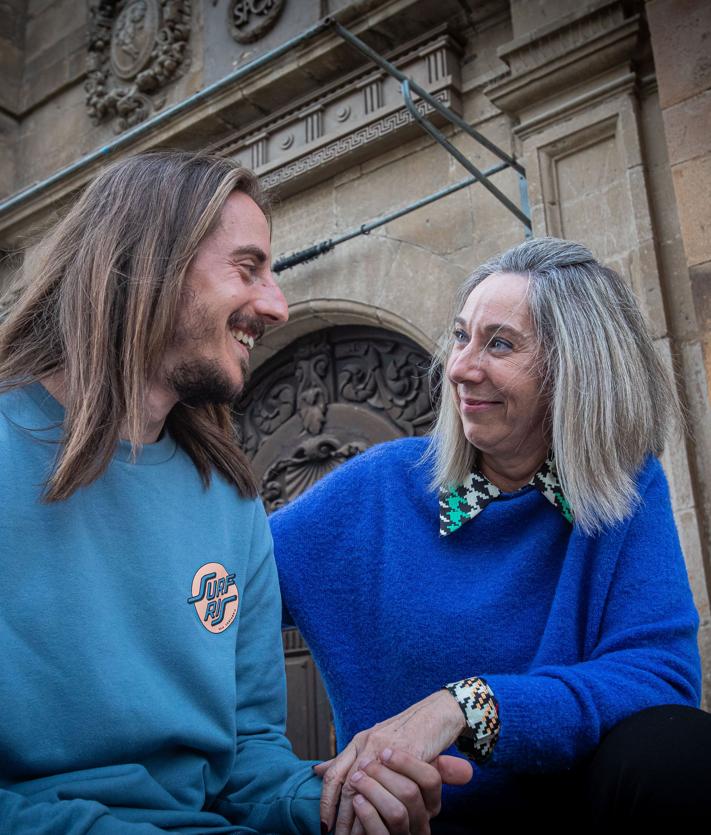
(646, 654)
(19, 814)
(270, 789)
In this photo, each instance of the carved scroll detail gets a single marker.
(136, 47)
(315, 404)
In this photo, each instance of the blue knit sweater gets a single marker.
(573, 633)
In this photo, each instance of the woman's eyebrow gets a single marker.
(502, 328)
(493, 328)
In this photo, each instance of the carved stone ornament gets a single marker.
(328, 397)
(350, 119)
(136, 47)
(250, 20)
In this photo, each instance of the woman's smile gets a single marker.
(470, 405)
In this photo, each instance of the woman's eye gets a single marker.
(460, 335)
(499, 344)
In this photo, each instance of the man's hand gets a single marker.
(400, 794)
(422, 730)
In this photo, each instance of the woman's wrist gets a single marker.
(480, 712)
(453, 716)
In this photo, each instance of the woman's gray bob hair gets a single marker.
(612, 401)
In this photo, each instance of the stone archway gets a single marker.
(320, 400)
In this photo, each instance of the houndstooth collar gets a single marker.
(461, 503)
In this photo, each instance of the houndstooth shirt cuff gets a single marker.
(481, 711)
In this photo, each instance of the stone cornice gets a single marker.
(307, 141)
(556, 59)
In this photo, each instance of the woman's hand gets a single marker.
(423, 730)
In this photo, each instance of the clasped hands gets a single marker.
(389, 778)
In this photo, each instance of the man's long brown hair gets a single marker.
(102, 306)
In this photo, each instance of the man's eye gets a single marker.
(460, 335)
(252, 271)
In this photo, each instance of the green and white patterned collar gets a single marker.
(460, 503)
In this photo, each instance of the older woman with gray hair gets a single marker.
(513, 585)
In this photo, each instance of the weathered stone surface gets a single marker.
(688, 127)
(673, 272)
(57, 65)
(692, 184)
(49, 23)
(700, 275)
(680, 31)
(8, 137)
(308, 220)
(12, 53)
(529, 15)
(11, 58)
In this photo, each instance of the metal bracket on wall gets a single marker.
(407, 86)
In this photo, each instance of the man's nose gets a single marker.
(270, 303)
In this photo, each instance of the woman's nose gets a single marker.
(466, 367)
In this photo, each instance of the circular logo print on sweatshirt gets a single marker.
(215, 596)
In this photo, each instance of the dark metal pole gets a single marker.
(459, 156)
(311, 252)
(392, 70)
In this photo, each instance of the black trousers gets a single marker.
(656, 764)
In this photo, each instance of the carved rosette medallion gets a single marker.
(136, 47)
(250, 20)
(328, 397)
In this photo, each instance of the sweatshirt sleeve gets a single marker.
(646, 654)
(270, 789)
(19, 814)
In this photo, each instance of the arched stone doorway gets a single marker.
(320, 400)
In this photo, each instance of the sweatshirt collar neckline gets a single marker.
(157, 453)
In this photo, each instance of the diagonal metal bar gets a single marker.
(450, 115)
(459, 156)
(311, 252)
(525, 205)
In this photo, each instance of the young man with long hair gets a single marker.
(143, 684)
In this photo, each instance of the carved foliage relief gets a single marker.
(136, 47)
(326, 398)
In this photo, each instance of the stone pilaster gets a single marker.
(574, 91)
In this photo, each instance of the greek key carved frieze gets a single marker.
(136, 47)
(325, 399)
(345, 145)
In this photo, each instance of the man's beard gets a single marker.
(202, 382)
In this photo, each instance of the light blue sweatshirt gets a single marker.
(142, 687)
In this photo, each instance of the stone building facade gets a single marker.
(605, 103)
